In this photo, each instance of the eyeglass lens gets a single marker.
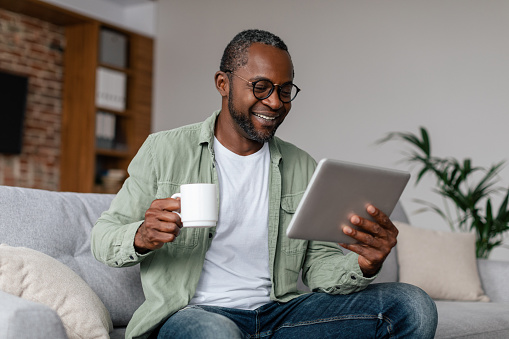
(262, 89)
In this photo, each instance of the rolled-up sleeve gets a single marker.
(327, 269)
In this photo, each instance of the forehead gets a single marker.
(269, 61)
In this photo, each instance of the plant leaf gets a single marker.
(468, 188)
(425, 144)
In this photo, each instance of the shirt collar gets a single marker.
(207, 129)
(207, 137)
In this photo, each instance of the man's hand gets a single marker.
(161, 225)
(375, 240)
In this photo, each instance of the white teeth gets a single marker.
(264, 117)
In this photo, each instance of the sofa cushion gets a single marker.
(472, 320)
(118, 333)
(62, 230)
(21, 318)
(494, 278)
(389, 271)
(37, 277)
(441, 263)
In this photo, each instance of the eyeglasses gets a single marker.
(262, 89)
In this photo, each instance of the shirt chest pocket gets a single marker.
(186, 240)
(166, 190)
(289, 205)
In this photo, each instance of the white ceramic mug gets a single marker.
(198, 205)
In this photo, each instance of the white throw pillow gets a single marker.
(441, 263)
(38, 277)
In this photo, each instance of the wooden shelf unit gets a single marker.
(81, 161)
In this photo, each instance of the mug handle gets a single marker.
(177, 195)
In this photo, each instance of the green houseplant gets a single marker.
(467, 188)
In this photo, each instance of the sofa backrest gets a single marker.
(59, 224)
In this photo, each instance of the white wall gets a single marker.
(138, 18)
(365, 68)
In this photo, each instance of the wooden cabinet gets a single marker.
(83, 161)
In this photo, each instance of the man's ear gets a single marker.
(222, 83)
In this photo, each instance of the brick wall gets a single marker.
(34, 48)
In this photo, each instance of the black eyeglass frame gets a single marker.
(253, 83)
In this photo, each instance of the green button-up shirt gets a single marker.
(170, 274)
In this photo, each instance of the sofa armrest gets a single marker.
(494, 277)
(21, 318)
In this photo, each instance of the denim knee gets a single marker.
(420, 309)
(194, 322)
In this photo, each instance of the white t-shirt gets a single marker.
(236, 270)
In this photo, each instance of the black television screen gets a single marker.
(13, 95)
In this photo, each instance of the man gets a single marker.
(239, 279)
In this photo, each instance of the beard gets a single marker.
(247, 126)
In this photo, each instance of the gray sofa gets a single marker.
(59, 224)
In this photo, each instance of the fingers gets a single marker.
(381, 218)
(167, 204)
(153, 215)
(362, 235)
(381, 227)
(375, 239)
(161, 225)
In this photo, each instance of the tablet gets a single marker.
(336, 191)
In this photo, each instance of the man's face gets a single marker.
(257, 119)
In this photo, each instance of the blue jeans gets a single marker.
(391, 310)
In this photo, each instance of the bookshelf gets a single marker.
(88, 151)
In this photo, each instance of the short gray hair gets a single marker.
(235, 53)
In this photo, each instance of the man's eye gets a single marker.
(261, 87)
(286, 91)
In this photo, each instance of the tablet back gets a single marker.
(336, 191)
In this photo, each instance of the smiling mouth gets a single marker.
(265, 117)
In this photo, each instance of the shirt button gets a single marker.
(210, 235)
(353, 277)
(131, 257)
